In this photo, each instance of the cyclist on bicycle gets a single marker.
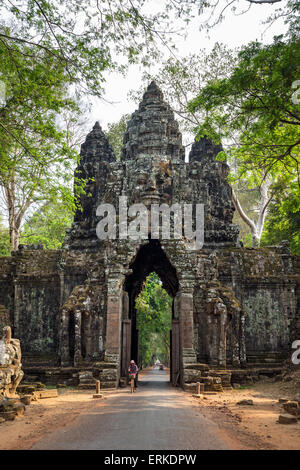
(133, 370)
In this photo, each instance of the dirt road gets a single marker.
(157, 416)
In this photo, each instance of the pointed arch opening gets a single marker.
(149, 259)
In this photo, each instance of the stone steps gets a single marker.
(33, 360)
(86, 380)
(263, 365)
(86, 386)
(266, 358)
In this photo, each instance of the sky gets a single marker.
(234, 31)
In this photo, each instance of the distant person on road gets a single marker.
(133, 370)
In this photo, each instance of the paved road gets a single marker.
(156, 417)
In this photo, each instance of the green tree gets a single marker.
(47, 226)
(35, 155)
(115, 134)
(154, 319)
(86, 37)
(283, 221)
(257, 110)
(4, 240)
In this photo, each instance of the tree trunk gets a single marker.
(249, 222)
(263, 206)
(256, 228)
(15, 216)
(11, 207)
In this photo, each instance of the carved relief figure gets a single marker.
(11, 373)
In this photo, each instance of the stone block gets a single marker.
(108, 384)
(52, 393)
(283, 400)
(123, 382)
(287, 419)
(8, 415)
(19, 409)
(88, 386)
(245, 402)
(26, 389)
(88, 380)
(36, 385)
(207, 380)
(190, 387)
(197, 366)
(26, 399)
(292, 407)
(85, 375)
(10, 404)
(191, 375)
(108, 375)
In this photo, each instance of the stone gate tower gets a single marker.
(231, 306)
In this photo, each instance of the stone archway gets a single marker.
(149, 258)
(125, 279)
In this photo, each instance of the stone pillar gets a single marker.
(222, 337)
(64, 354)
(184, 311)
(16, 318)
(125, 305)
(113, 325)
(243, 355)
(184, 307)
(77, 345)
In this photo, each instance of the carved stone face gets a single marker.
(151, 181)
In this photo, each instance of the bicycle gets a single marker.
(132, 378)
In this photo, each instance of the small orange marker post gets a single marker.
(199, 389)
(98, 394)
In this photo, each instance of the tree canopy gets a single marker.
(47, 226)
(256, 111)
(84, 37)
(254, 107)
(154, 320)
(115, 134)
(36, 159)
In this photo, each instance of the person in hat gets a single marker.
(133, 370)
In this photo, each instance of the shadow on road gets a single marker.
(155, 378)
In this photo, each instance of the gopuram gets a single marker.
(234, 308)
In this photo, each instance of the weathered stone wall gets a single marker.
(7, 267)
(32, 290)
(265, 281)
(37, 283)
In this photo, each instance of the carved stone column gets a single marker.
(113, 327)
(184, 311)
(113, 323)
(16, 318)
(64, 354)
(77, 339)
